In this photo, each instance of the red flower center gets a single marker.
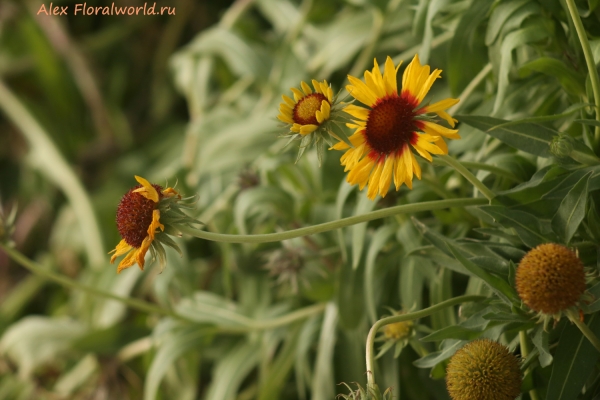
(390, 125)
(305, 110)
(134, 216)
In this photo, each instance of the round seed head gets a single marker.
(550, 279)
(483, 370)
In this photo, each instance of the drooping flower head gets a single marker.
(392, 124)
(483, 370)
(550, 279)
(308, 114)
(140, 226)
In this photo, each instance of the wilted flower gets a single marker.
(146, 214)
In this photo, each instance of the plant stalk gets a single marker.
(589, 59)
(454, 163)
(370, 355)
(337, 224)
(524, 353)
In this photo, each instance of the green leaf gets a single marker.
(498, 285)
(380, 238)
(359, 231)
(591, 122)
(569, 79)
(530, 138)
(526, 225)
(540, 341)
(572, 210)
(574, 360)
(499, 16)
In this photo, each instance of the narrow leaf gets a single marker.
(572, 210)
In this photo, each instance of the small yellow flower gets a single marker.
(138, 218)
(391, 125)
(550, 279)
(483, 370)
(399, 330)
(308, 109)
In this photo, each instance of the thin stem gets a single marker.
(524, 353)
(589, 59)
(481, 166)
(468, 175)
(587, 332)
(337, 224)
(407, 317)
(250, 324)
(73, 284)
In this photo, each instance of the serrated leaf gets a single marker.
(572, 210)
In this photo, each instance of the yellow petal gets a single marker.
(147, 190)
(438, 130)
(386, 176)
(440, 105)
(398, 172)
(360, 91)
(122, 248)
(408, 170)
(288, 101)
(298, 95)
(357, 112)
(329, 94)
(305, 88)
(425, 86)
(374, 181)
(317, 86)
(360, 173)
(389, 76)
(442, 145)
(296, 128)
(285, 109)
(306, 129)
(170, 192)
(141, 254)
(416, 166)
(155, 224)
(325, 109)
(285, 118)
(129, 260)
(411, 74)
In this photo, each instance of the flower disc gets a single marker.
(550, 279)
(483, 370)
(390, 125)
(134, 216)
(305, 111)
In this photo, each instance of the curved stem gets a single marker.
(589, 59)
(481, 166)
(329, 226)
(407, 317)
(524, 353)
(454, 163)
(250, 324)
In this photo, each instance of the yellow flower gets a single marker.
(138, 219)
(308, 109)
(385, 132)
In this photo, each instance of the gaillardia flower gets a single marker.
(550, 279)
(483, 370)
(392, 124)
(308, 109)
(142, 215)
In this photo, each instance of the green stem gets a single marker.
(468, 175)
(589, 59)
(587, 332)
(337, 224)
(250, 324)
(524, 353)
(407, 317)
(73, 284)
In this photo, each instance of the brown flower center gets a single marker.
(305, 110)
(390, 125)
(134, 215)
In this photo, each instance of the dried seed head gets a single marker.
(483, 370)
(134, 215)
(550, 279)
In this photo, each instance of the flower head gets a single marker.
(309, 115)
(140, 226)
(391, 125)
(397, 335)
(308, 109)
(550, 279)
(483, 370)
